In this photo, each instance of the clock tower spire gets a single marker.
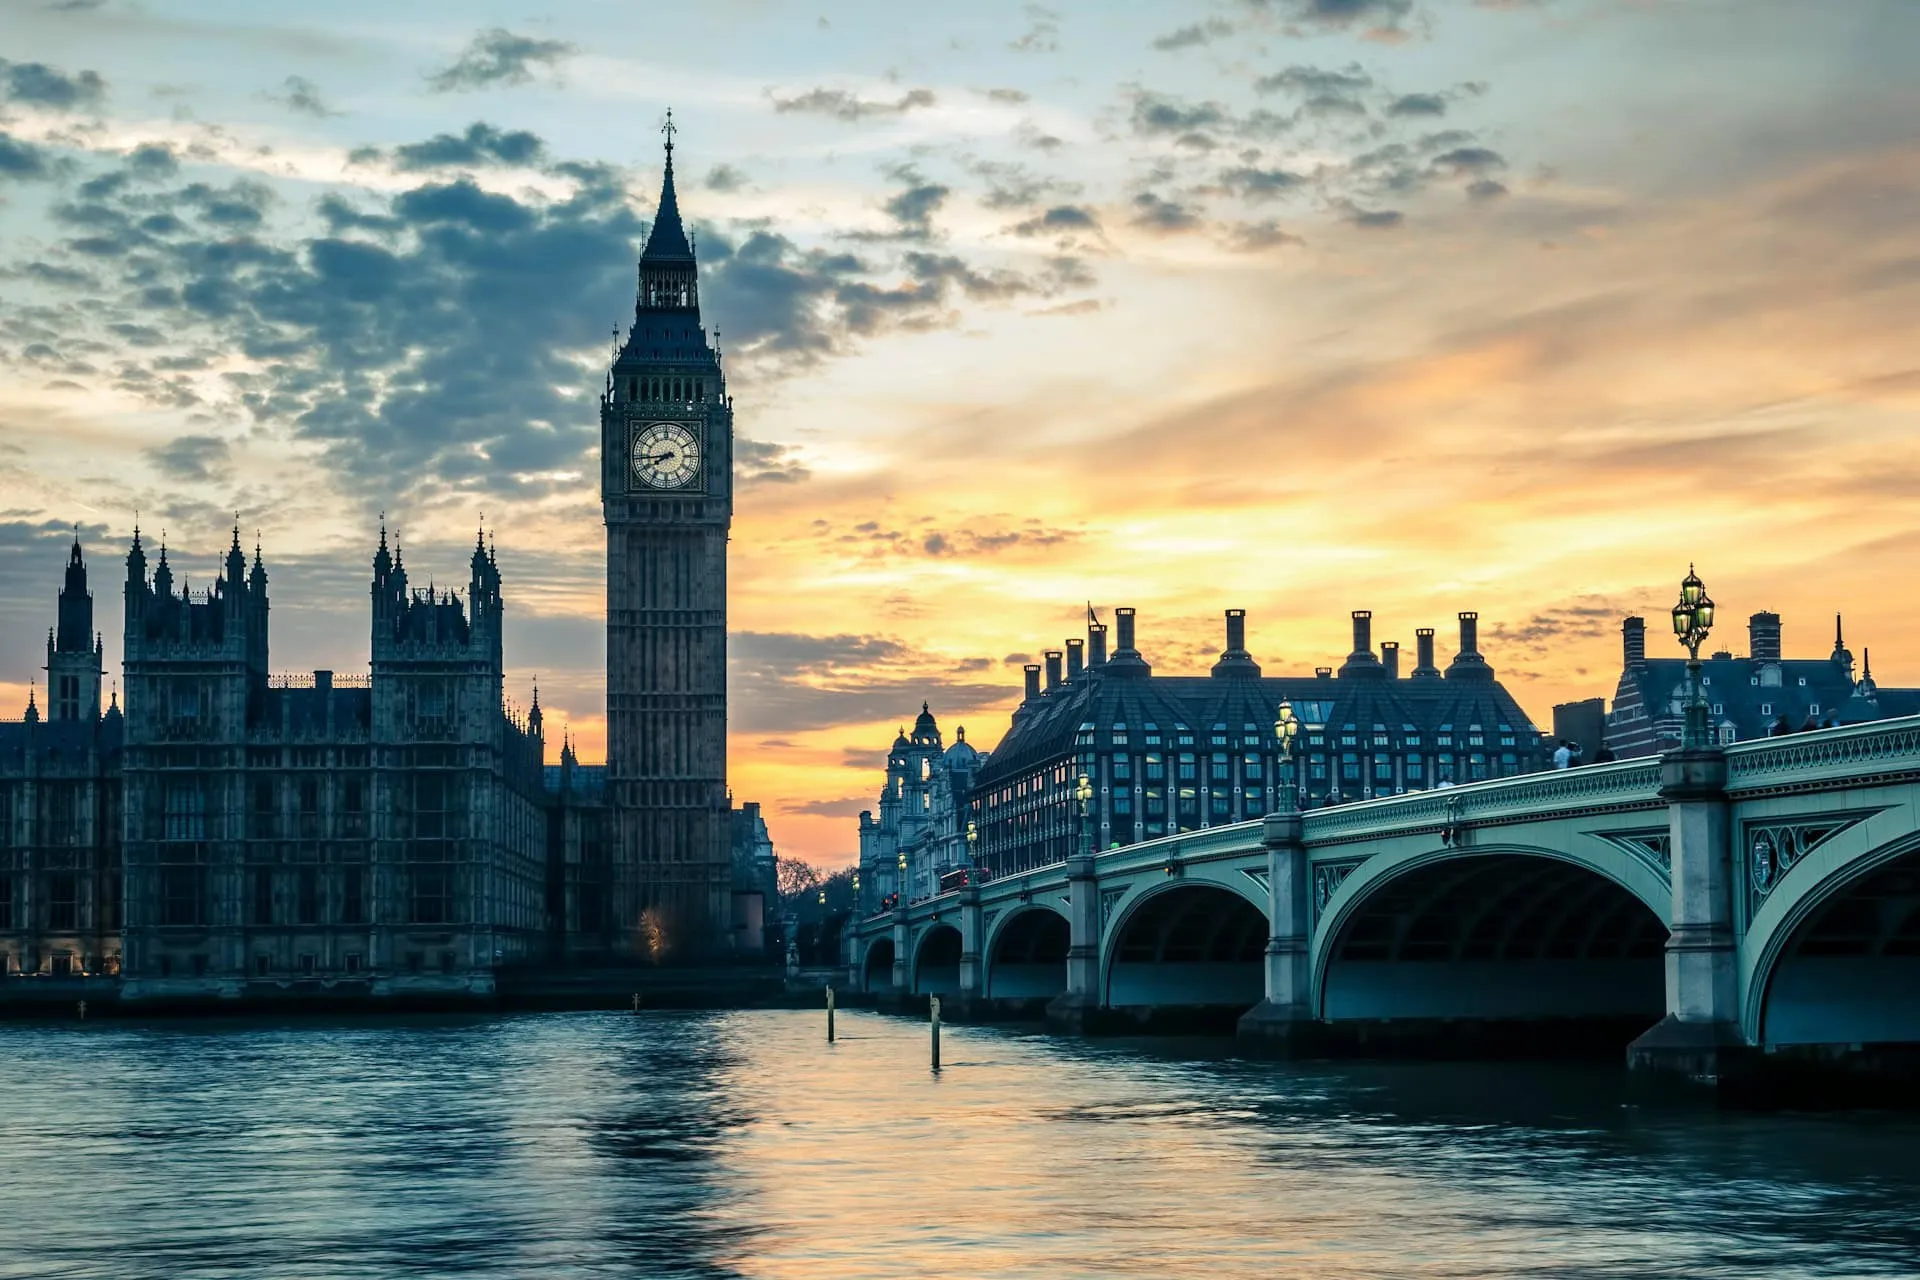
(666, 442)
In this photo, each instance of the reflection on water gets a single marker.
(742, 1145)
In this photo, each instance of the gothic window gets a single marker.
(1476, 767)
(182, 895)
(261, 896)
(1189, 768)
(1443, 769)
(1122, 768)
(1382, 770)
(1156, 769)
(1217, 770)
(1185, 734)
(1220, 801)
(185, 812)
(432, 898)
(1415, 771)
(1349, 767)
(353, 900)
(307, 899)
(1219, 736)
(1153, 735)
(63, 901)
(1250, 768)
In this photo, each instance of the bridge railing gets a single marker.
(1531, 795)
(1817, 758)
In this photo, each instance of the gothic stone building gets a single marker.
(60, 815)
(379, 834)
(1179, 753)
(1747, 696)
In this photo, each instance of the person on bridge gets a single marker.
(1779, 728)
(1605, 754)
(1563, 755)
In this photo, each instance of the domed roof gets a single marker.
(925, 729)
(900, 743)
(961, 754)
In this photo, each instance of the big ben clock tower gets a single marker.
(666, 480)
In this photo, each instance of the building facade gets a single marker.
(666, 427)
(1748, 696)
(1179, 753)
(921, 832)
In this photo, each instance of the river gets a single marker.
(740, 1144)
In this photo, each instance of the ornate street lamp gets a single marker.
(1692, 619)
(973, 843)
(1084, 794)
(1286, 727)
(858, 906)
(900, 885)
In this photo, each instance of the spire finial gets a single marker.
(669, 129)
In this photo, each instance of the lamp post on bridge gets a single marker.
(1286, 727)
(1692, 620)
(973, 852)
(1083, 792)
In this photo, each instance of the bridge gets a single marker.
(1722, 905)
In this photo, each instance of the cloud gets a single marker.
(787, 682)
(39, 85)
(497, 56)
(843, 105)
(1308, 81)
(1383, 15)
(1193, 34)
(1010, 96)
(1372, 219)
(1469, 160)
(1060, 220)
(756, 462)
(725, 178)
(1158, 214)
(23, 161)
(481, 146)
(1418, 104)
(1042, 34)
(1486, 189)
(192, 459)
(1259, 237)
(1253, 183)
(850, 807)
(299, 94)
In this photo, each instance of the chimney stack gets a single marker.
(1361, 661)
(1126, 659)
(1234, 659)
(1763, 637)
(1096, 644)
(1076, 658)
(1423, 666)
(1468, 663)
(1633, 642)
(1390, 658)
(1033, 681)
(1053, 669)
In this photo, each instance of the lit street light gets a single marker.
(1692, 619)
(1286, 727)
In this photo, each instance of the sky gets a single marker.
(1296, 306)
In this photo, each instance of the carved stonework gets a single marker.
(1327, 879)
(1653, 846)
(1773, 848)
(1258, 877)
(1110, 898)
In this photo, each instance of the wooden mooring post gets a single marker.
(829, 1015)
(934, 1005)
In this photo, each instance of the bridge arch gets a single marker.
(1497, 934)
(876, 970)
(936, 961)
(1185, 943)
(1836, 960)
(1026, 954)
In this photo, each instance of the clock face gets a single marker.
(666, 456)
